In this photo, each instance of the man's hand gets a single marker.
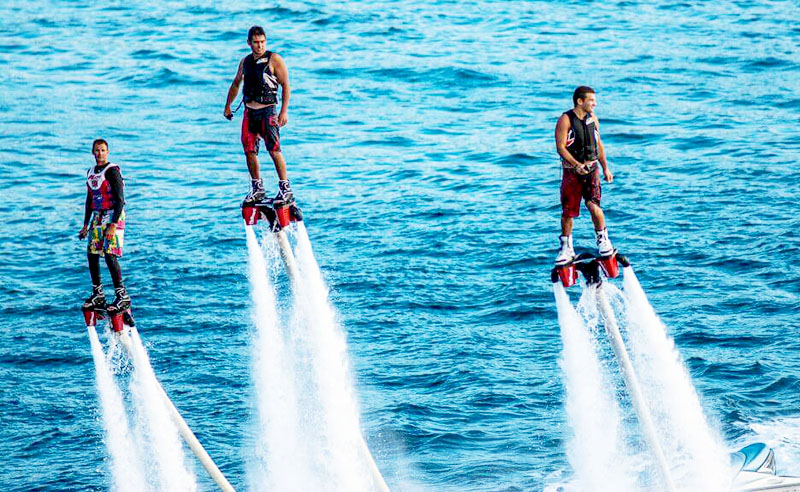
(283, 117)
(110, 231)
(228, 113)
(582, 169)
(608, 174)
(84, 232)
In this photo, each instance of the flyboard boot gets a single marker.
(285, 195)
(564, 268)
(279, 211)
(257, 193)
(120, 311)
(566, 253)
(606, 254)
(94, 308)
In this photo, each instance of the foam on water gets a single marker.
(126, 467)
(783, 436)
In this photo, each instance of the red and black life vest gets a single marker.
(100, 188)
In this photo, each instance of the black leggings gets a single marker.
(113, 268)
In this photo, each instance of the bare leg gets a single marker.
(598, 217)
(252, 165)
(280, 164)
(566, 225)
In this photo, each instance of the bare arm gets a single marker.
(233, 91)
(282, 74)
(601, 153)
(562, 130)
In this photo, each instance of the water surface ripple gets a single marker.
(420, 148)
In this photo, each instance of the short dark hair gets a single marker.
(255, 31)
(99, 141)
(580, 93)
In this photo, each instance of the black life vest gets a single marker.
(582, 137)
(260, 84)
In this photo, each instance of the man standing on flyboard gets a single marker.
(579, 145)
(104, 224)
(262, 72)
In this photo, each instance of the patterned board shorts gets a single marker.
(98, 244)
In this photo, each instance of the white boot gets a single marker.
(566, 253)
(604, 247)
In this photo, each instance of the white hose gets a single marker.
(632, 383)
(187, 433)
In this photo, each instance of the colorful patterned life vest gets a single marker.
(100, 188)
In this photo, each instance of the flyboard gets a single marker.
(280, 215)
(753, 465)
(122, 323)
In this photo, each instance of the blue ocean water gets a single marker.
(420, 147)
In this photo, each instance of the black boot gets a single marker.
(122, 300)
(257, 194)
(285, 195)
(97, 301)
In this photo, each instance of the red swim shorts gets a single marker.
(260, 123)
(575, 186)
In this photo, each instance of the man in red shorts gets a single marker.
(262, 72)
(579, 145)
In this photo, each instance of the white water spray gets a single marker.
(161, 432)
(309, 432)
(645, 419)
(595, 450)
(126, 468)
(352, 467)
(692, 448)
(282, 460)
